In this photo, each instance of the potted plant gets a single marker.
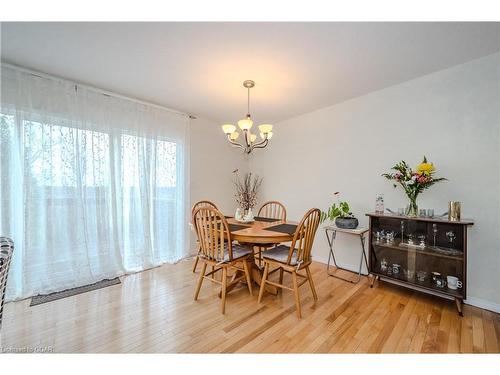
(413, 182)
(340, 213)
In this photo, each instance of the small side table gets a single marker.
(331, 241)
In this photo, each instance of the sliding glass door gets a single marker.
(91, 187)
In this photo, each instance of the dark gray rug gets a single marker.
(38, 300)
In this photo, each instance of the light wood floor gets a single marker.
(154, 311)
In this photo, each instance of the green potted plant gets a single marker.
(340, 213)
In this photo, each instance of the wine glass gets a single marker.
(410, 238)
(421, 240)
(451, 237)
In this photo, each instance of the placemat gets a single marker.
(283, 228)
(235, 227)
(266, 219)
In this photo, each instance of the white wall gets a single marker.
(451, 116)
(212, 161)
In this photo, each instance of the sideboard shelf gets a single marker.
(427, 250)
(394, 245)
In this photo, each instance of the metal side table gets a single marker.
(331, 242)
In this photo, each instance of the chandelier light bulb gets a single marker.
(253, 137)
(269, 135)
(266, 128)
(234, 136)
(228, 128)
(245, 124)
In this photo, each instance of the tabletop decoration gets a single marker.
(413, 182)
(246, 195)
(340, 213)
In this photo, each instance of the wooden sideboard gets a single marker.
(420, 253)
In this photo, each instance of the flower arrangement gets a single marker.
(246, 190)
(413, 182)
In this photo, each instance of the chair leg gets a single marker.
(297, 296)
(311, 283)
(247, 274)
(263, 281)
(224, 287)
(260, 257)
(195, 263)
(281, 278)
(200, 280)
(213, 274)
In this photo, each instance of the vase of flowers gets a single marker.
(413, 182)
(246, 194)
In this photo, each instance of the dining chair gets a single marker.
(293, 258)
(273, 210)
(218, 251)
(195, 207)
(270, 210)
(6, 250)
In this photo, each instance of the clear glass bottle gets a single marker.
(379, 204)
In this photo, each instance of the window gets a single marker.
(91, 186)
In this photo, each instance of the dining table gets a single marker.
(260, 232)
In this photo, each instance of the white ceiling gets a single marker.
(199, 67)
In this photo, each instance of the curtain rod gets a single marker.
(92, 88)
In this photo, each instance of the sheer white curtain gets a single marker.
(91, 186)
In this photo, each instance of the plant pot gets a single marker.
(346, 222)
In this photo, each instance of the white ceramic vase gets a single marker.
(239, 214)
(249, 216)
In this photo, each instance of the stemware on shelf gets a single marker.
(451, 237)
(421, 240)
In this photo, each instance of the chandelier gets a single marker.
(250, 140)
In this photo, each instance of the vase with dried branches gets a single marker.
(246, 194)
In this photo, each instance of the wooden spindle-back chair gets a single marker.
(293, 258)
(218, 251)
(270, 210)
(273, 210)
(195, 207)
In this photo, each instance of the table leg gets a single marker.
(257, 277)
(256, 274)
(331, 243)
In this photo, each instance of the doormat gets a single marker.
(38, 300)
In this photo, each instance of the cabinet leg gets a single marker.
(374, 278)
(459, 302)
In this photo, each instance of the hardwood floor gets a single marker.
(154, 311)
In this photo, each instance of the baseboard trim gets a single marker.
(473, 301)
(348, 267)
(483, 304)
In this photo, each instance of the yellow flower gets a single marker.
(425, 168)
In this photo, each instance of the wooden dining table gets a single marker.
(261, 231)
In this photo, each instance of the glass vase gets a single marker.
(412, 209)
